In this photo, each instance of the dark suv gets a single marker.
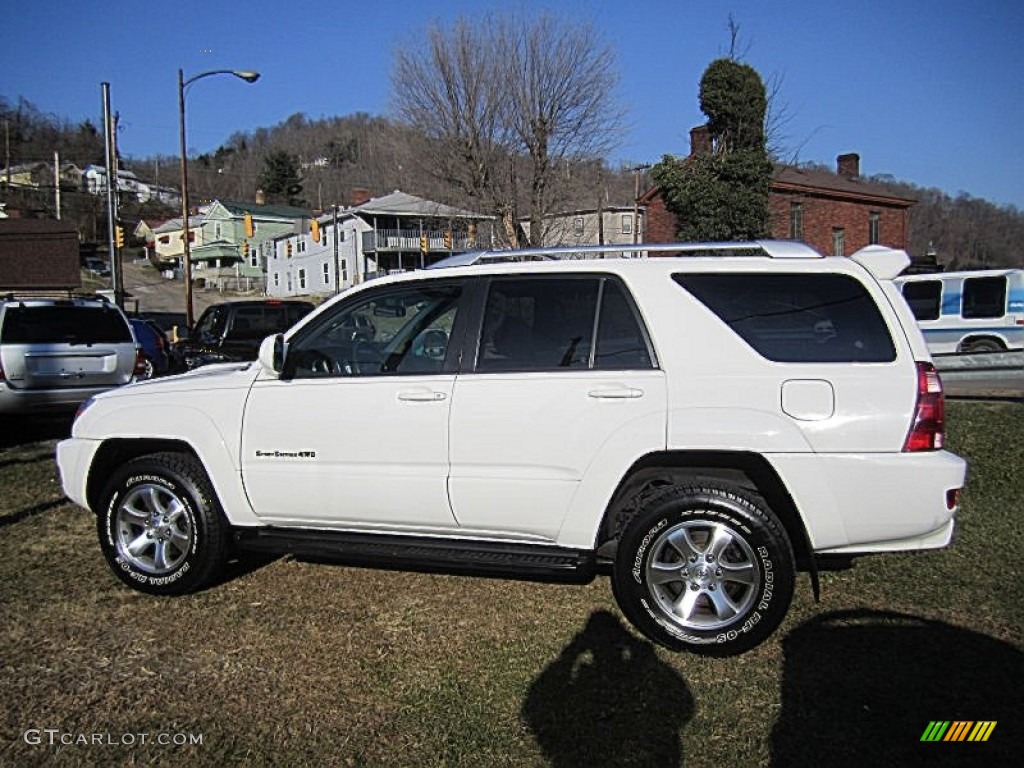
(55, 353)
(233, 330)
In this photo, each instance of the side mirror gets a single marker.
(272, 353)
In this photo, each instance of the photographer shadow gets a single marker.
(860, 687)
(607, 700)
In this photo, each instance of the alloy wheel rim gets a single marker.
(702, 575)
(153, 530)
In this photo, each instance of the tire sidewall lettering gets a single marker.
(773, 589)
(129, 573)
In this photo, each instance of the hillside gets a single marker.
(335, 155)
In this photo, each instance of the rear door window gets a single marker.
(924, 298)
(544, 323)
(68, 324)
(797, 318)
(984, 297)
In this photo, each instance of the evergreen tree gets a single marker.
(722, 194)
(280, 179)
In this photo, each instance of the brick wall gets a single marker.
(823, 215)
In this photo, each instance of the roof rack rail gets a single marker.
(776, 249)
(41, 293)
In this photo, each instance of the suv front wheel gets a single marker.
(160, 526)
(706, 569)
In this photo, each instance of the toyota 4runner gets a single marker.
(699, 423)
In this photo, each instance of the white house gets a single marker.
(393, 233)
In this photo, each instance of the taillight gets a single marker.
(140, 362)
(928, 432)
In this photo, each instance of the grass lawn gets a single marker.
(291, 663)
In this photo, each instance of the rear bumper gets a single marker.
(15, 401)
(874, 502)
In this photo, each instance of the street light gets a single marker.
(250, 77)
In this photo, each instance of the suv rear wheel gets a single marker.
(160, 526)
(706, 569)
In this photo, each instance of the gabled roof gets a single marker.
(240, 208)
(403, 204)
(811, 179)
(173, 225)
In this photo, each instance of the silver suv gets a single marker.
(56, 353)
(700, 428)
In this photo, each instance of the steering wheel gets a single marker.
(320, 363)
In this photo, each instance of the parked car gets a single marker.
(698, 428)
(232, 331)
(55, 353)
(155, 348)
(96, 266)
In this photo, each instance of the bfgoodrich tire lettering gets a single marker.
(160, 527)
(706, 569)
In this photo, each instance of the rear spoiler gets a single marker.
(882, 262)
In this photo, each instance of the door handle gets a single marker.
(421, 396)
(616, 393)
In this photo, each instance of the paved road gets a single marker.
(990, 375)
(156, 293)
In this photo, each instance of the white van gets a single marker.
(968, 312)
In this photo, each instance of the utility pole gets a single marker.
(111, 215)
(7, 149)
(116, 274)
(337, 260)
(56, 182)
(637, 169)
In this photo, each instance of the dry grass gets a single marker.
(292, 663)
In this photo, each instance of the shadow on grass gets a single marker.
(238, 565)
(35, 509)
(20, 430)
(607, 700)
(860, 688)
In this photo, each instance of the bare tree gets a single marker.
(505, 100)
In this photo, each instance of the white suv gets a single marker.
(699, 426)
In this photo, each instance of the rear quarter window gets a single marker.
(797, 318)
(64, 325)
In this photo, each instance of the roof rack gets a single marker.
(776, 249)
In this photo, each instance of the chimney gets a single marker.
(848, 165)
(359, 196)
(700, 141)
(261, 199)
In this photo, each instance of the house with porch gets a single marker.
(373, 236)
(230, 242)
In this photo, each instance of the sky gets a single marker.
(931, 93)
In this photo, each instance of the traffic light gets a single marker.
(119, 236)
(314, 230)
(424, 244)
(448, 239)
(250, 230)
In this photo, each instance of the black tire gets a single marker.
(717, 596)
(148, 369)
(982, 346)
(160, 525)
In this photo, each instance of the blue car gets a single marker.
(155, 356)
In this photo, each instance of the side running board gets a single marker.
(432, 555)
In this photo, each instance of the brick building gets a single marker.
(835, 213)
